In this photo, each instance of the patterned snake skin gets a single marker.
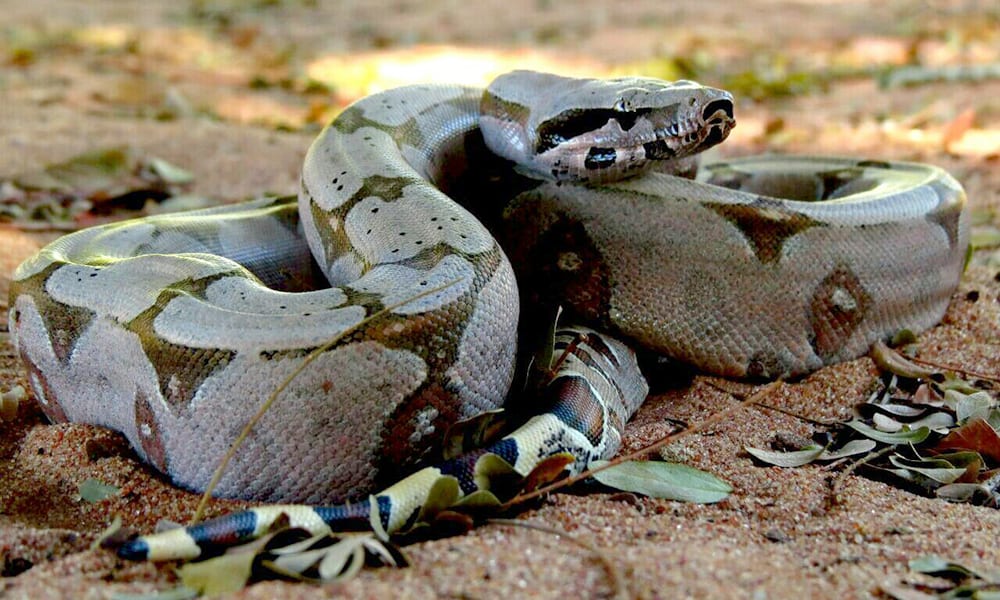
(174, 329)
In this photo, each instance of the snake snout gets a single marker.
(718, 120)
(713, 108)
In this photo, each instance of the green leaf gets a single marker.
(936, 565)
(343, 560)
(795, 458)
(962, 459)
(479, 500)
(905, 411)
(984, 237)
(334, 557)
(851, 448)
(890, 361)
(961, 492)
(9, 402)
(954, 382)
(914, 436)
(930, 468)
(933, 563)
(973, 405)
(110, 533)
(169, 173)
(545, 357)
(375, 519)
(93, 490)
(219, 575)
(937, 420)
(902, 337)
(670, 481)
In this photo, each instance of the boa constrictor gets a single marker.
(174, 329)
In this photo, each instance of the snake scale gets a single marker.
(174, 329)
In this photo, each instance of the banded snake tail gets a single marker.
(174, 329)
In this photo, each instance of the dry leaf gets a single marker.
(956, 128)
(976, 435)
(548, 470)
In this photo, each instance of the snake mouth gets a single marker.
(692, 133)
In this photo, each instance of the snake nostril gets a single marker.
(715, 106)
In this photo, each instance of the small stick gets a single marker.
(851, 468)
(943, 367)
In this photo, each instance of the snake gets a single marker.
(431, 221)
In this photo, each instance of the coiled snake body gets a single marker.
(174, 329)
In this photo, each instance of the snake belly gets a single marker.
(174, 329)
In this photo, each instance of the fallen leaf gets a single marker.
(914, 436)
(976, 435)
(957, 127)
(671, 481)
(329, 557)
(93, 490)
(109, 177)
(962, 492)
(10, 400)
(220, 575)
(934, 470)
(973, 406)
(795, 458)
(893, 362)
(548, 471)
(942, 567)
(851, 448)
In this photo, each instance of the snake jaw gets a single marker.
(708, 122)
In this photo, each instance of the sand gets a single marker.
(780, 535)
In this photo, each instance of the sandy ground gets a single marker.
(79, 76)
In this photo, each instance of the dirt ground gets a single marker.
(234, 92)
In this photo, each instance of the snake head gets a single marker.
(601, 130)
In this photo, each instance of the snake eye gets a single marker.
(621, 105)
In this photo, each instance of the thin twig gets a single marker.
(665, 440)
(569, 349)
(312, 356)
(944, 367)
(839, 481)
(612, 571)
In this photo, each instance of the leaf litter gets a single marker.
(78, 191)
(930, 431)
(927, 430)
